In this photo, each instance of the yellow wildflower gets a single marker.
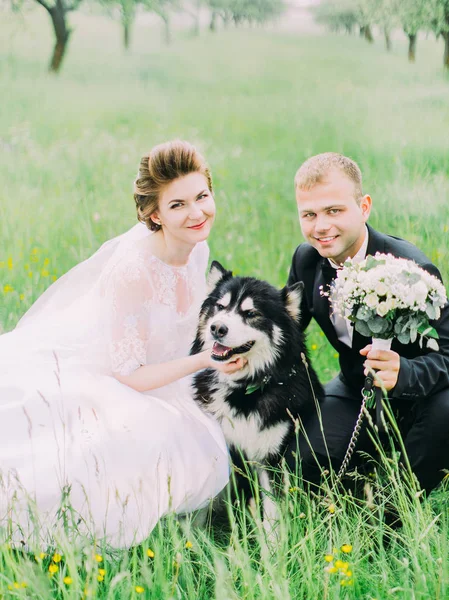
(56, 557)
(98, 558)
(329, 557)
(314, 346)
(45, 273)
(52, 569)
(150, 553)
(331, 508)
(346, 548)
(30, 273)
(100, 578)
(102, 572)
(189, 545)
(139, 589)
(331, 569)
(67, 580)
(336, 355)
(54, 278)
(46, 262)
(34, 251)
(22, 296)
(7, 289)
(10, 263)
(340, 564)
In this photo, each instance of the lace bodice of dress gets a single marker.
(153, 307)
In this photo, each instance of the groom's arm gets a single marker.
(427, 374)
(423, 375)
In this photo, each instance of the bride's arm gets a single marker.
(150, 377)
(128, 302)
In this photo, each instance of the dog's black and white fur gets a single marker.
(251, 318)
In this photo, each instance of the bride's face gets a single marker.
(186, 208)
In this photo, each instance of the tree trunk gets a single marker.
(412, 37)
(128, 15)
(213, 21)
(368, 35)
(445, 35)
(62, 33)
(387, 39)
(167, 31)
(126, 34)
(196, 19)
(362, 31)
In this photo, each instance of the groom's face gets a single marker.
(332, 219)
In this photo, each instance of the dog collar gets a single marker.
(258, 386)
(265, 381)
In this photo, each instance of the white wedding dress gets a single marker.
(122, 459)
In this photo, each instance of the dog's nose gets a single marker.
(219, 330)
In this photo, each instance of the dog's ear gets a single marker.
(216, 274)
(292, 296)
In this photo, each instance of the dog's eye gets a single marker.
(250, 314)
(219, 306)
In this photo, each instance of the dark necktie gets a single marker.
(328, 271)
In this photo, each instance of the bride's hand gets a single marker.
(232, 366)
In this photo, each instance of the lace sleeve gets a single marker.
(129, 293)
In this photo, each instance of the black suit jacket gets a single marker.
(422, 372)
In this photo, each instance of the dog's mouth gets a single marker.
(220, 352)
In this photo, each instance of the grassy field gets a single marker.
(257, 105)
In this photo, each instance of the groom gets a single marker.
(333, 212)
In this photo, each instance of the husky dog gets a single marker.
(257, 405)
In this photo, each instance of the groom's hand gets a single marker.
(386, 363)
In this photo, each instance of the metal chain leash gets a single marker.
(368, 398)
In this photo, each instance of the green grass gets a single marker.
(257, 105)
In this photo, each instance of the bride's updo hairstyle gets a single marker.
(165, 163)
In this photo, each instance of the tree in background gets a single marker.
(337, 16)
(386, 16)
(415, 15)
(193, 9)
(241, 12)
(255, 11)
(441, 26)
(163, 8)
(345, 15)
(58, 12)
(127, 17)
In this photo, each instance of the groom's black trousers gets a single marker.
(423, 423)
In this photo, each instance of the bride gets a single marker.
(96, 409)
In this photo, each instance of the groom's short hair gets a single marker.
(315, 169)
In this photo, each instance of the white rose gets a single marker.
(381, 289)
(382, 309)
(391, 303)
(420, 292)
(371, 300)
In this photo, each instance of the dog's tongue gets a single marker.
(219, 350)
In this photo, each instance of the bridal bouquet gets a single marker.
(388, 297)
